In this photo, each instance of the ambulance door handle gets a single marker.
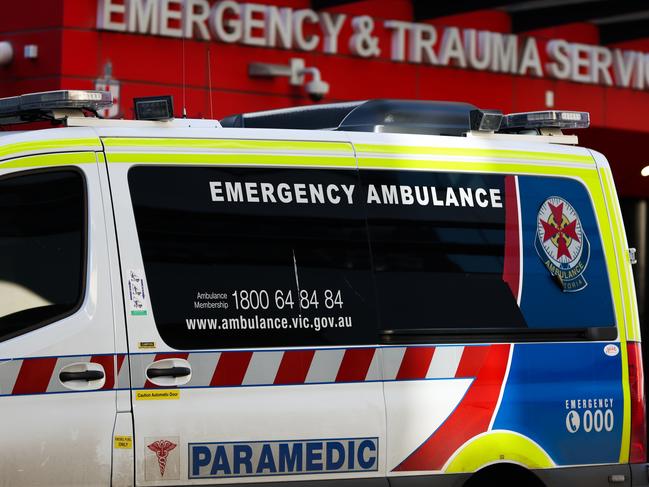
(169, 372)
(87, 375)
(83, 376)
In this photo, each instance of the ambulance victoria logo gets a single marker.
(561, 243)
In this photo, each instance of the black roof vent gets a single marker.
(398, 116)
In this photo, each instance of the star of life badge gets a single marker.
(561, 243)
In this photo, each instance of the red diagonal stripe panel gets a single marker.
(511, 268)
(108, 363)
(294, 366)
(470, 418)
(161, 356)
(120, 362)
(471, 362)
(355, 364)
(415, 363)
(34, 375)
(231, 368)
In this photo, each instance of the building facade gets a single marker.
(218, 58)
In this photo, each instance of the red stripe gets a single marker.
(161, 356)
(231, 368)
(415, 363)
(355, 364)
(471, 361)
(511, 268)
(108, 363)
(294, 367)
(120, 362)
(34, 375)
(470, 418)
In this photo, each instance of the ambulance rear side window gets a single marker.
(42, 248)
(455, 251)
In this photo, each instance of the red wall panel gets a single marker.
(73, 54)
(31, 15)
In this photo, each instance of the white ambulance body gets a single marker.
(183, 303)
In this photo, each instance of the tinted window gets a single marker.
(438, 251)
(42, 250)
(464, 251)
(239, 257)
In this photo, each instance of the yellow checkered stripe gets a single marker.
(372, 151)
(626, 288)
(50, 160)
(10, 151)
(229, 152)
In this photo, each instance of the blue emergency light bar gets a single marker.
(546, 119)
(35, 106)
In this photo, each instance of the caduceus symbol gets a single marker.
(161, 448)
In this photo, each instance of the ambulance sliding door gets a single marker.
(494, 297)
(251, 312)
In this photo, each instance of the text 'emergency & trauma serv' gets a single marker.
(386, 194)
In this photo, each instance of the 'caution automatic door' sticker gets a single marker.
(561, 243)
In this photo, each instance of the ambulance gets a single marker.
(377, 293)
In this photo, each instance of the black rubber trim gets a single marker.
(84, 375)
(491, 335)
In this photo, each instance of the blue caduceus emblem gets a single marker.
(561, 243)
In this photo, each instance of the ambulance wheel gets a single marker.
(504, 475)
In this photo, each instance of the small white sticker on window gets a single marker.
(137, 293)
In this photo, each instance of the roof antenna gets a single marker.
(209, 80)
(184, 82)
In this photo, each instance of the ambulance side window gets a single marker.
(455, 251)
(42, 248)
(254, 257)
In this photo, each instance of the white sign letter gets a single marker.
(301, 42)
(196, 19)
(580, 54)
(478, 49)
(252, 22)
(558, 52)
(105, 11)
(167, 13)
(331, 25)
(601, 60)
(399, 29)
(279, 26)
(504, 54)
(230, 30)
(530, 59)
(451, 48)
(422, 39)
(623, 62)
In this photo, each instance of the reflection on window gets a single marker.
(42, 219)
